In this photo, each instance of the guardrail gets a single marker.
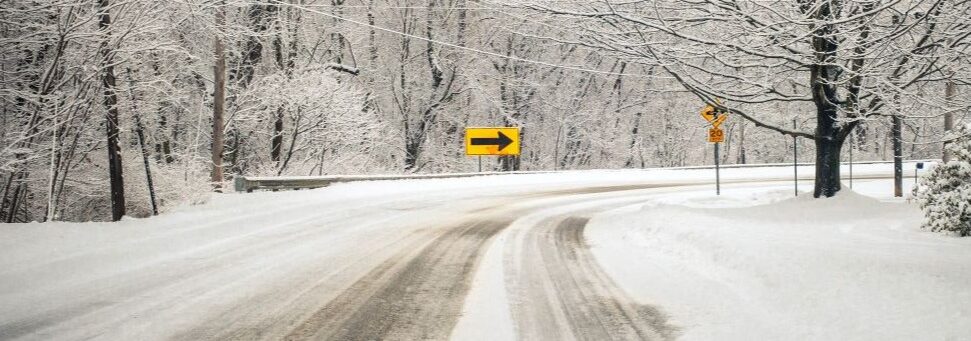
(249, 184)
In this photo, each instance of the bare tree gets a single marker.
(108, 82)
(219, 100)
(849, 62)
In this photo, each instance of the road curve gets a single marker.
(403, 274)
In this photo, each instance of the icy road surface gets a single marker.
(488, 258)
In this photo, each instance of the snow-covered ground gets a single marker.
(753, 263)
(757, 264)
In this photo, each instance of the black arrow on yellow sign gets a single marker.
(502, 141)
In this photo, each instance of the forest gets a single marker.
(132, 107)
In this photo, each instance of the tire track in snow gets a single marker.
(559, 292)
(197, 274)
(600, 310)
(417, 294)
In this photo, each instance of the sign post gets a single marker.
(496, 141)
(917, 168)
(716, 136)
(718, 180)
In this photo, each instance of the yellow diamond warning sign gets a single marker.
(708, 113)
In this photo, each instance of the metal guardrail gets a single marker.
(249, 184)
(763, 165)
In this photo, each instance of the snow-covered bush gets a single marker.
(945, 192)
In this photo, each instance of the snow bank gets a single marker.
(752, 266)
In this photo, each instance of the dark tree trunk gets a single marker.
(218, 104)
(336, 38)
(898, 158)
(286, 64)
(412, 149)
(108, 81)
(827, 167)
(276, 144)
(509, 163)
(824, 79)
(15, 198)
(260, 17)
(741, 144)
(372, 44)
(633, 140)
(140, 134)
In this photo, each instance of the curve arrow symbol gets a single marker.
(502, 141)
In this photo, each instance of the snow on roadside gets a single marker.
(752, 265)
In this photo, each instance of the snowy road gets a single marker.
(484, 258)
(366, 269)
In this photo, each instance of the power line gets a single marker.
(409, 7)
(459, 47)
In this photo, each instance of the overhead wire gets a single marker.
(456, 46)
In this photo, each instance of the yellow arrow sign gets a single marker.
(708, 113)
(492, 141)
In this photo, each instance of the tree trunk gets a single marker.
(54, 167)
(509, 163)
(108, 81)
(337, 38)
(898, 157)
(372, 44)
(218, 102)
(286, 64)
(824, 79)
(140, 134)
(633, 141)
(741, 144)
(276, 144)
(949, 93)
(827, 167)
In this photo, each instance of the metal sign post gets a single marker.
(718, 181)
(917, 168)
(715, 135)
